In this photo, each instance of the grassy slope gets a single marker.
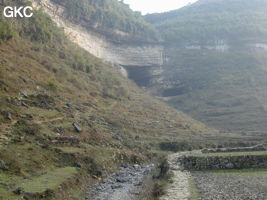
(64, 84)
(225, 90)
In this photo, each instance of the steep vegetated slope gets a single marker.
(210, 20)
(112, 18)
(215, 63)
(64, 114)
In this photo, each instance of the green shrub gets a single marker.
(24, 127)
(108, 14)
(158, 190)
(175, 146)
(81, 63)
(52, 85)
(6, 31)
(164, 168)
(41, 28)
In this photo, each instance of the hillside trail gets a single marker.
(49, 120)
(178, 187)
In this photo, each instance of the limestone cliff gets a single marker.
(147, 54)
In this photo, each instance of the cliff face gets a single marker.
(140, 55)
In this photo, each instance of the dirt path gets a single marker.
(49, 120)
(178, 188)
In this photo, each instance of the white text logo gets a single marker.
(18, 12)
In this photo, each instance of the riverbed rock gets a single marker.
(124, 184)
(122, 179)
(116, 186)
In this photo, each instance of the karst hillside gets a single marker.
(88, 87)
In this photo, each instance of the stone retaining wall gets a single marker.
(223, 162)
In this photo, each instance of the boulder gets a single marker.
(77, 127)
(59, 130)
(24, 93)
(125, 165)
(118, 137)
(122, 179)
(24, 104)
(116, 186)
(9, 116)
(69, 105)
(136, 166)
(6, 114)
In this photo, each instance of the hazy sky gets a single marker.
(151, 6)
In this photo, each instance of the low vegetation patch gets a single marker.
(49, 181)
(175, 146)
(71, 150)
(194, 193)
(161, 181)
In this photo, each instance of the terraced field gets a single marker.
(243, 184)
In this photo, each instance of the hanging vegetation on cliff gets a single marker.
(109, 17)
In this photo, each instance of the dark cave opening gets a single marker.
(140, 75)
(171, 92)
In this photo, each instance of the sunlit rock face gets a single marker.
(138, 55)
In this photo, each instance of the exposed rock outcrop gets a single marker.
(138, 55)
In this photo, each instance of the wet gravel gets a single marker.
(126, 184)
(231, 186)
